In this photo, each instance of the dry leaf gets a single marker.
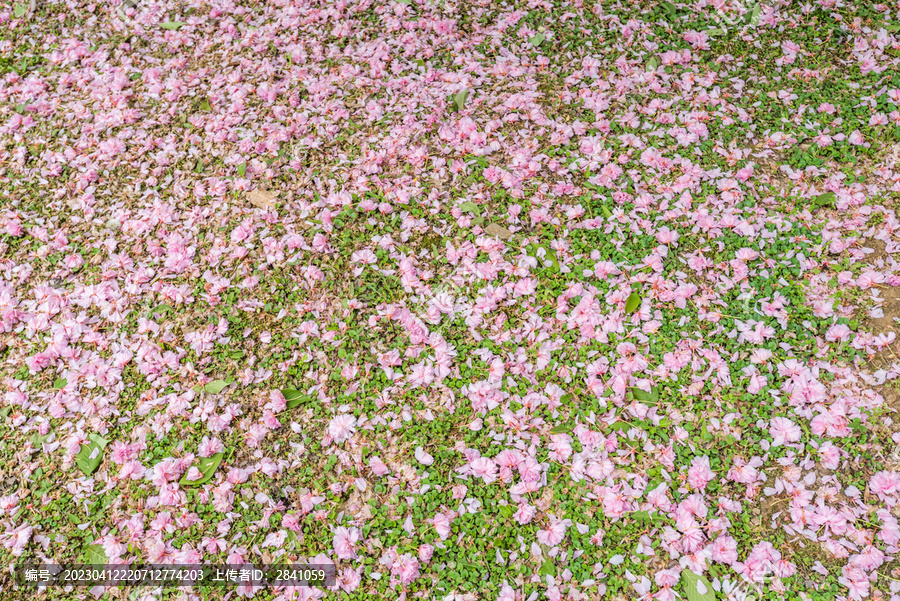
(498, 230)
(263, 199)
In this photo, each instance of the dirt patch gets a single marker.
(357, 504)
(891, 309)
(769, 162)
(891, 400)
(892, 156)
(878, 246)
(890, 354)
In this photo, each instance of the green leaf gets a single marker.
(825, 200)
(460, 99)
(715, 31)
(37, 439)
(207, 467)
(332, 460)
(5, 411)
(754, 15)
(90, 456)
(644, 396)
(652, 63)
(173, 25)
(215, 387)
(548, 568)
(242, 169)
(20, 10)
(294, 398)
(561, 429)
(205, 106)
(632, 302)
(670, 9)
(94, 555)
(99, 440)
(549, 255)
(536, 40)
(60, 383)
(160, 309)
(697, 587)
(469, 207)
